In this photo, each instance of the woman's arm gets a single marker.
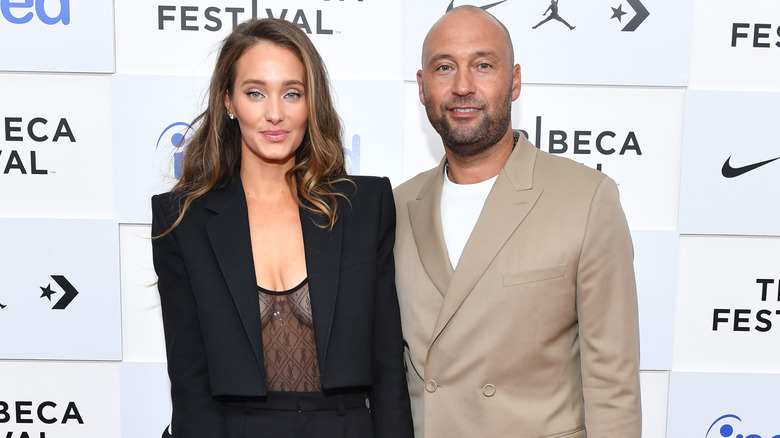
(195, 412)
(389, 396)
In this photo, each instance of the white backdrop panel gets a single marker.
(57, 36)
(655, 394)
(712, 405)
(632, 135)
(146, 399)
(357, 39)
(151, 113)
(142, 329)
(422, 147)
(59, 399)
(729, 173)
(55, 147)
(736, 45)
(59, 286)
(655, 264)
(373, 126)
(600, 50)
(728, 305)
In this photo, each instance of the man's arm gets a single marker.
(608, 320)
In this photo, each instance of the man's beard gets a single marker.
(470, 142)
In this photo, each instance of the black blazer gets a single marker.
(211, 316)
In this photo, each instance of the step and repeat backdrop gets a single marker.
(677, 100)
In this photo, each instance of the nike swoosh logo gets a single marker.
(484, 8)
(733, 172)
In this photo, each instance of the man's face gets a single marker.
(468, 82)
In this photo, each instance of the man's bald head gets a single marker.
(466, 19)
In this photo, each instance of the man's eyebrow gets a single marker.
(440, 56)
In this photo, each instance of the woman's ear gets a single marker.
(228, 104)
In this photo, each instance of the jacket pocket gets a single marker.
(534, 275)
(576, 433)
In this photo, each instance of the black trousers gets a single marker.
(300, 415)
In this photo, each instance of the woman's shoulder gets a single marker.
(350, 184)
(167, 202)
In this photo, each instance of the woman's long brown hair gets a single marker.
(213, 155)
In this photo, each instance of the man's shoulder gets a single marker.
(411, 188)
(559, 169)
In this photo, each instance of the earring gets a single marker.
(231, 116)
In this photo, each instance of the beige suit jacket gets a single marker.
(535, 334)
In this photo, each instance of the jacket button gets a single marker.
(431, 385)
(488, 390)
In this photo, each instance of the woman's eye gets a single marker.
(292, 95)
(254, 94)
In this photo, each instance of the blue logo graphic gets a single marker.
(173, 136)
(353, 155)
(20, 12)
(724, 427)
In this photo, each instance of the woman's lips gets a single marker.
(275, 135)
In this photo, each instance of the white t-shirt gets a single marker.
(461, 205)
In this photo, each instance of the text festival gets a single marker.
(745, 320)
(193, 18)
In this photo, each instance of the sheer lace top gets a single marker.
(288, 340)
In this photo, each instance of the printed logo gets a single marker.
(451, 6)
(760, 34)
(213, 18)
(353, 156)
(745, 319)
(173, 138)
(68, 289)
(38, 130)
(727, 425)
(553, 10)
(641, 15)
(604, 143)
(732, 172)
(29, 413)
(22, 12)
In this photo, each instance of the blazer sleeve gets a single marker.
(389, 396)
(608, 321)
(196, 414)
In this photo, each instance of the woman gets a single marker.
(276, 272)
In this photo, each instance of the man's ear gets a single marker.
(420, 86)
(516, 82)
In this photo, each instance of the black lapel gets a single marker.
(323, 256)
(228, 233)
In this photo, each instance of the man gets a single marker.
(514, 267)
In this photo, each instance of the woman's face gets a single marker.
(269, 102)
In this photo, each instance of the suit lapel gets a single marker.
(425, 220)
(509, 202)
(228, 233)
(323, 256)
